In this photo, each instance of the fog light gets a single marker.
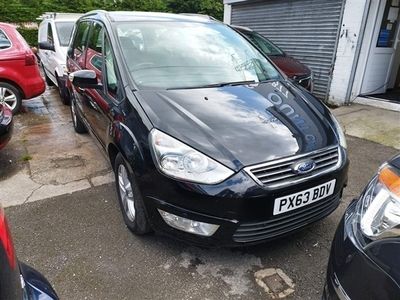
(188, 225)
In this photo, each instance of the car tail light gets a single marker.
(6, 240)
(30, 58)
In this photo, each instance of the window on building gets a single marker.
(388, 29)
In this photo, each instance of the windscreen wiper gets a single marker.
(243, 82)
(232, 83)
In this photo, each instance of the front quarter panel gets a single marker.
(129, 133)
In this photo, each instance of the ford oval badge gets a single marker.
(303, 167)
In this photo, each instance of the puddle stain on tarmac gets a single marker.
(233, 268)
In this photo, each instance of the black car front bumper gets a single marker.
(352, 274)
(241, 207)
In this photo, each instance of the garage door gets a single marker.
(304, 29)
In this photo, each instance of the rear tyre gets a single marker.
(11, 96)
(79, 126)
(130, 198)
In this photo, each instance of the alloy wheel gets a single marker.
(8, 97)
(126, 193)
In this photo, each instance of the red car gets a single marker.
(294, 69)
(19, 72)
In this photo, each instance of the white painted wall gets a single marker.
(227, 13)
(365, 48)
(345, 55)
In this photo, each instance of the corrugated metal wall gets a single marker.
(305, 29)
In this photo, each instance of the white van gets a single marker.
(54, 35)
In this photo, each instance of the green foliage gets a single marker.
(30, 35)
(17, 11)
(213, 8)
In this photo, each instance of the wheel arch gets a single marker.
(125, 142)
(13, 83)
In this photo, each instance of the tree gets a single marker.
(213, 8)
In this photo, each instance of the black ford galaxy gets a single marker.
(208, 141)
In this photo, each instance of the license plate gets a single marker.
(303, 198)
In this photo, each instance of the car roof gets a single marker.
(137, 16)
(7, 26)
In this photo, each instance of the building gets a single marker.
(352, 46)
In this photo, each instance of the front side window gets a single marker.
(81, 40)
(171, 55)
(64, 31)
(110, 69)
(4, 41)
(50, 34)
(95, 48)
(264, 45)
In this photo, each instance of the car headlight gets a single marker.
(379, 206)
(340, 133)
(180, 161)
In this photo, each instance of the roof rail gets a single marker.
(56, 15)
(241, 27)
(200, 15)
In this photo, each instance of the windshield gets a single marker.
(173, 55)
(64, 30)
(263, 44)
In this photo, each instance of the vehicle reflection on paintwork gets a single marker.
(256, 113)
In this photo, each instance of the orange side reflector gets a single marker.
(391, 179)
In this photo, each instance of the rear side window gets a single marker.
(80, 41)
(4, 41)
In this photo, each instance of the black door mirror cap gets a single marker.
(46, 46)
(85, 79)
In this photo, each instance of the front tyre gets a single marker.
(62, 91)
(130, 199)
(79, 126)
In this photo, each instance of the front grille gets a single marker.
(280, 172)
(252, 232)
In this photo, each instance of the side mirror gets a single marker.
(46, 46)
(85, 79)
(70, 52)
